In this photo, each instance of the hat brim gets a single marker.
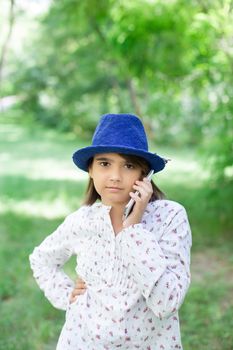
(82, 156)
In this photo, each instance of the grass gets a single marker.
(40, 186)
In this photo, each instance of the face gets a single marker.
(113, 178)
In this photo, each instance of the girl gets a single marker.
(134, 271)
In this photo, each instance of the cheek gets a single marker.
(139, 176)
(133, 179)
(98, 184)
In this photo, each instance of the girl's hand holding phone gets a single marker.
(79, 289)
(141, 199)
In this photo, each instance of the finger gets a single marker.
(76, 293)
(135, 197)
(80, 286)
(142, 195)
(143, 192)
(72, 299)
(77, 290)
(80, 280)
(146, 179)
(145, 184)
(141, 189)
(80, 283)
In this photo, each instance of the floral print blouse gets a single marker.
(136, 280)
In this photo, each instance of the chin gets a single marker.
(118, 203)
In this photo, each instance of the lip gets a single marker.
(113, 189)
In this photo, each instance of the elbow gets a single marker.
(35, 265)
(31, 261)
(33, 257)
(164, 309)
(166, 306)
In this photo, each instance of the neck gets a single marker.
(116, 214)
(117, 211)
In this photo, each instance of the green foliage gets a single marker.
(170, 62)
(206, 311)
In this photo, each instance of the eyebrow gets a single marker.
(104, 159)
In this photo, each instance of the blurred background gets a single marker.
(63, 64)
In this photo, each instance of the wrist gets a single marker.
(131, 221)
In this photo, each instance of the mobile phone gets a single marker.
(130, 204)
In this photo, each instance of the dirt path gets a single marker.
(212, 263)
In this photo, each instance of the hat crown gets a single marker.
(122, 130)
(118, 133)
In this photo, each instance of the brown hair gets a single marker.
(92, 196)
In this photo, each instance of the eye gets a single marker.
(104, 164)
(129, 166)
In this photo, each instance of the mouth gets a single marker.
(113, 189)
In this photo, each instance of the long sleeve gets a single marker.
(160, 266)
(47, 261)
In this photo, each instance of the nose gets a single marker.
(115, 175)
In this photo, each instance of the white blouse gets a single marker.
(136, 280)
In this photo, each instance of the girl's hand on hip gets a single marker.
(79, 289)
(145, 191)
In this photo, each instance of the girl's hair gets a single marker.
(92, 196)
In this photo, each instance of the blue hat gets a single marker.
(119, 133)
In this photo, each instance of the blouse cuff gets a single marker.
(145, 257)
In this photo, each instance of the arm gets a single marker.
(47, 261)
(161, 268)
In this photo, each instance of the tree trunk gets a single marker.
(7, 40)
(137, 108)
